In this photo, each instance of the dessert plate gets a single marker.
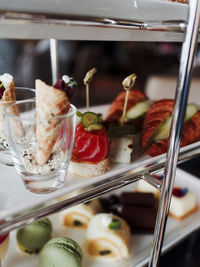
(140, 244)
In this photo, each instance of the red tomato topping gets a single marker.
(91, 146)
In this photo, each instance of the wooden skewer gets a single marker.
(87, 80)
(127, 83)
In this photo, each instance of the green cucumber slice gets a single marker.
(138, 110)
(191, 110)
(163, 130)
(89, 118)
(93, 127)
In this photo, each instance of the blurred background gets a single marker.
(28, 60)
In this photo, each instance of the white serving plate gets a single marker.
(140, 244)
(15, 198)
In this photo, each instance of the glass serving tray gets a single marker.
(140, 243)
(18, 206)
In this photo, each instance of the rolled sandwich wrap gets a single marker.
(50, 102)
(107, 238)
(116, 109)
(155, 116)
(79, 216)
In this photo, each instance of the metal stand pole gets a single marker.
(186, 62)
(54, 60)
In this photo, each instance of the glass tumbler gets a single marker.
(24, 139)
(21, 94)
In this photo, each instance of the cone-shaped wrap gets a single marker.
(50, 102)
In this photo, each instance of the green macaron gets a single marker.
(33, 237)
(61, 252)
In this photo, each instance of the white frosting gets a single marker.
(180, 206)
(106, 220)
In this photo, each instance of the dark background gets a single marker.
(28, 60)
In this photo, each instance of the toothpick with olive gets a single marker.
(127, 83)
(87, 80)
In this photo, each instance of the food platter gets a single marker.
(140, 244)
(16, 201)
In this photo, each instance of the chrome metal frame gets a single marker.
(54, 60)
(192, 29)
(186, 63)
(170, 26)
(71, 25)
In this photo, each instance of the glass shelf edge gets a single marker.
(69, 27)
(112, 183)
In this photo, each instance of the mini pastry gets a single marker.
(145, 187)
(4, 242)
(124, 121)
(90, 153)
(51, 101)
(32, 237)
(136, 107)
(7, 94)
(183, 203)
(107, 238)
(157, 123)
(7, 90)
(79, 216)
(61, 252)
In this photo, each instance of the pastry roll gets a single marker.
(116, 109)
(79, 216)
(158, 114)
(107, 238)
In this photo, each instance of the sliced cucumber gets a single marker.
(93, 127)
(191, 110)
(162, 132)
(138, 110)
(89, 118)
